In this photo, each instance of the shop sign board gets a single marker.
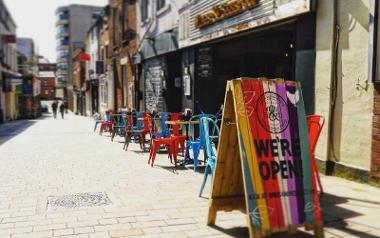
(212, 19)
(204, 63)
(187, 85)
(10, 39)
(222, 11)
(84, 57)
(264, 164)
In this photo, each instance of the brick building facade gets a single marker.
(375, 157)
(47, 87)
(122, 33)
(47, 77)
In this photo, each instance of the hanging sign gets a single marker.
(204, 63)
(187, 85)
(10, 39)
(264, 165)
(84, 57)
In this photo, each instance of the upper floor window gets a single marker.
(160, 4)
(116, 25)
(144, 10)
(125, 16)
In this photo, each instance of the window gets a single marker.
(46, 83)
(116, 24)
(46, 92)
(144, 10)
(160, 4)
(125, 16)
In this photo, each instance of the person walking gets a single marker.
(54, 107)
(62, 109)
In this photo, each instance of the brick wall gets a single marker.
(123, 49)
(375, 163)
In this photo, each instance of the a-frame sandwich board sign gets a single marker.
(263, 163)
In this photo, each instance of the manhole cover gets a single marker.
(78, 200)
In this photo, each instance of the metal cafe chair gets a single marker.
(161, 137)
(315, 125)
(138, 132)
(195, 143)
(208, 125)
(119, 123)
(106, 125)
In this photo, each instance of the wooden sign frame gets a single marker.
(236, 180)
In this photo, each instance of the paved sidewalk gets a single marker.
(42, 158)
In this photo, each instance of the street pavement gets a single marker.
(46, 157)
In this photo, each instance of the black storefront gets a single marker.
(278, 49)
(159, 73)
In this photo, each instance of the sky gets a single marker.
(36, 19)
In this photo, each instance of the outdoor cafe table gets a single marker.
(183, 124)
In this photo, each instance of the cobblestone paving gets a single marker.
(47, 157)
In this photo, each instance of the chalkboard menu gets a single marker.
(204, 63)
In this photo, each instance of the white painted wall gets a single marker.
(354, 105)
(158, 21)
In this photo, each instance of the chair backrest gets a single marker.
(146, 121)
(119, 119)
(197, 117)
(159, 126)
(205, 136)
(315, 125)
(108, 116)
(175, 116)
(138, 120)
(129, 121)
(96, 116)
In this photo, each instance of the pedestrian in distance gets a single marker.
(54, 107)
(62, 109)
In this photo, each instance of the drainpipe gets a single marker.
(331, 156)
(115, 83)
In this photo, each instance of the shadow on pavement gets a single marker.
(337, 213)
(11, 129)
(334, 219)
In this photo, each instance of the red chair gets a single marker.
(140, 134)
(159, 141)
(315, 124)
(178, 139)
(107, 123)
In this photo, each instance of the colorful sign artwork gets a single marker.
(280, 162)
(272, 135)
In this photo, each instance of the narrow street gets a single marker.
(46, 157)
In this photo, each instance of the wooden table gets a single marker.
(181, 122)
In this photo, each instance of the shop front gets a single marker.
(163, 83)
(160, 74)
(272, 39)
(91, 95)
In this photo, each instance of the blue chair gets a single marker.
(97, 120)
(138, 125)
(195, 144)
(119, 125)
(160, 128)
(208, 142)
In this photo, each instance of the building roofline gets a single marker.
(77, 5)
(9, 13)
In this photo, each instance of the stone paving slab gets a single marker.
(42, 158)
